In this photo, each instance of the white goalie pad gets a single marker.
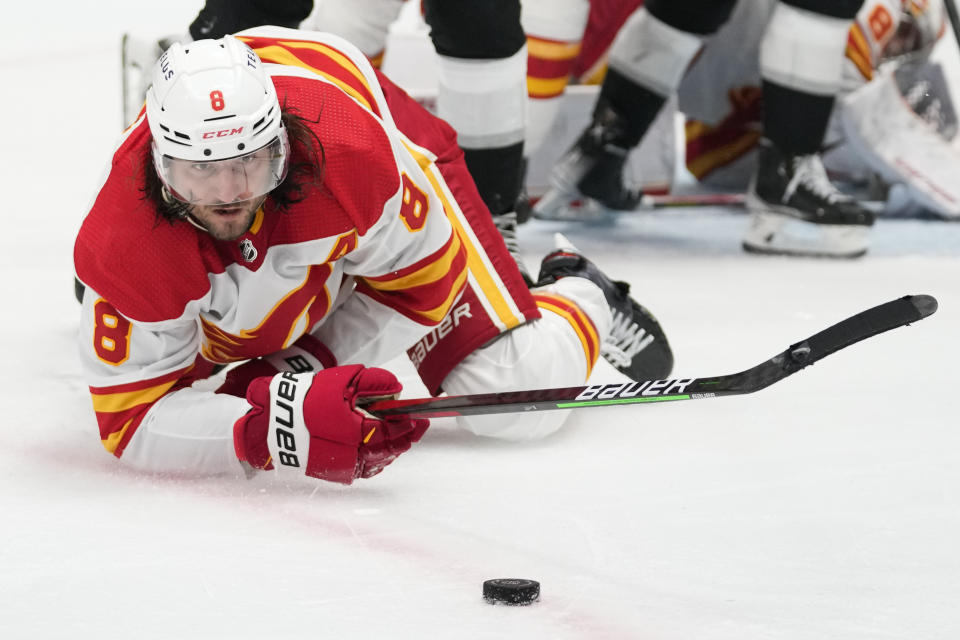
(901, 146)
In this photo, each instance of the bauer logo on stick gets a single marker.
(634, 389)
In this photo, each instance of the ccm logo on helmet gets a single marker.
(222, 133)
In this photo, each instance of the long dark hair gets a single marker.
(307, 160)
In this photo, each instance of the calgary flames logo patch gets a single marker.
(293, 315)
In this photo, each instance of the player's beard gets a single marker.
(226, 222)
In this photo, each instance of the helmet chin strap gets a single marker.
(184, 215)
(199, 225)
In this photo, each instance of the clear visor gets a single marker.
(225, 181)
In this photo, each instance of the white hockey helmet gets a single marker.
(212, 107)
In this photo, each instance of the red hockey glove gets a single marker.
(310, 423)
(306, 354)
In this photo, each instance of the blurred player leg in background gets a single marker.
(482, 56)
(554, 31)
(365, 23)
(647, 61)
(216, 19)
(801, 64)
(482, 94)
(568, 42)
(220, 17)
(890, 134)
(795, 208)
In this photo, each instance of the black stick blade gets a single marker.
(866, 324)
(857, 327)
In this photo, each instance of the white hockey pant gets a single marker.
(546, 353)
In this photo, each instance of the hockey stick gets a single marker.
(647, 202)
(693, 200)
(860, 326)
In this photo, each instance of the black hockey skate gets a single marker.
(591, 169)
(798, 211)
(636, 345)
(506, 224)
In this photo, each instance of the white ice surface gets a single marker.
(827, 506)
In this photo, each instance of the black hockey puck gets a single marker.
(511, 591)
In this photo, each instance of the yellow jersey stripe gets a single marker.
(257, 221)
(546, 86)
(858, 51)
(113, 440)
(342, 60)
(589, 342)
(573, 307)
(117, 402)
(429, 273)
(707, 162)
(481, 274)
(282, 56)
(552, 50)
(596, 73)
(436, 314)
(696, 128)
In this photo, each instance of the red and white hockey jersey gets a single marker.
(370, 261)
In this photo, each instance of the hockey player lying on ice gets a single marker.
(279, 205)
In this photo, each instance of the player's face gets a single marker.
(224, 195)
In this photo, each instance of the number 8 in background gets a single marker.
(111, 333)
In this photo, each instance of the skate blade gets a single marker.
(562, 242)
(779, 234)
(553, 205)
(571, 208)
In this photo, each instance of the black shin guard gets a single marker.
(498, 174)
(793, 120)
